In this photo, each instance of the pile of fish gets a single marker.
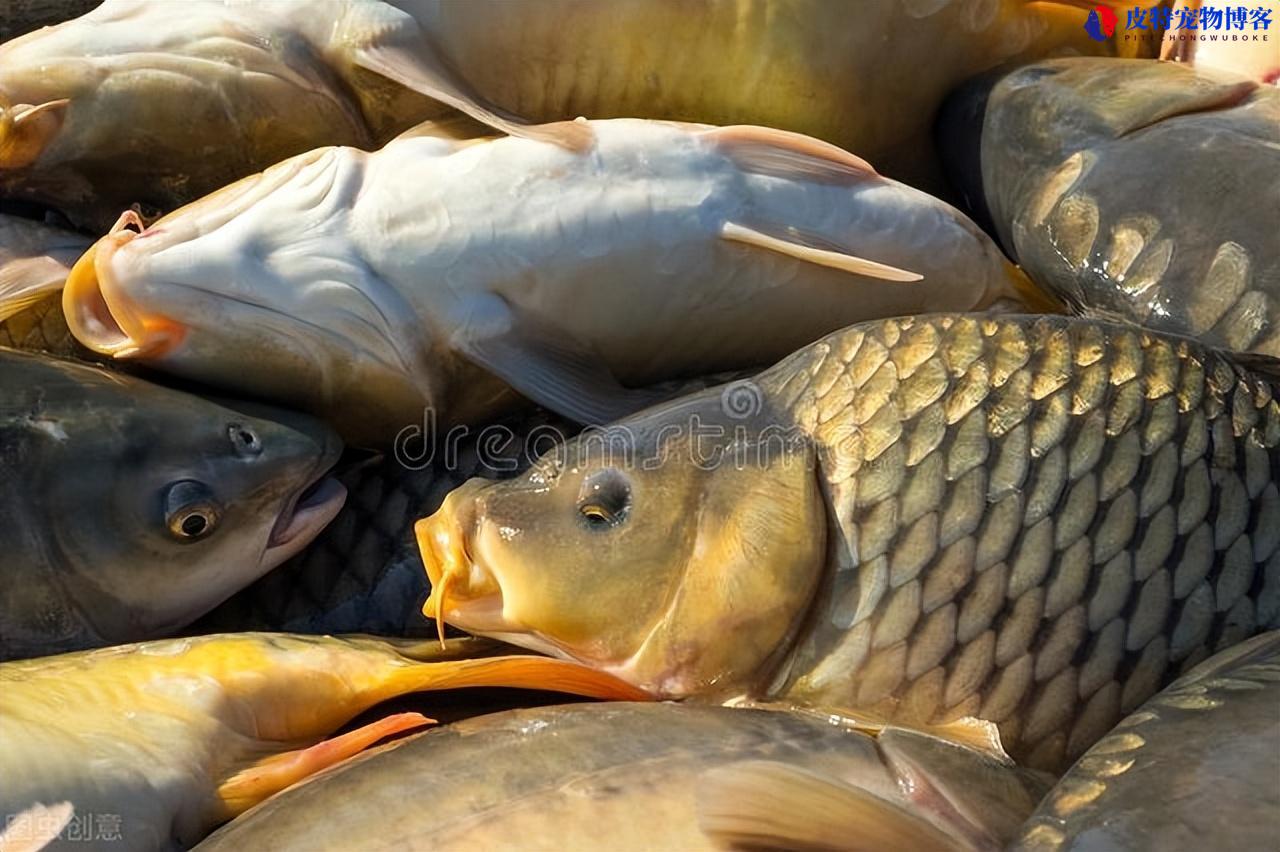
(865, 417)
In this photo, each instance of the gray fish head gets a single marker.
(160, 504)
(253, 290)
(676, 549)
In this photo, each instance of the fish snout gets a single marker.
(100, 313)
(458, 581)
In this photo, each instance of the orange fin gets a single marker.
(29, 280)
(521, 672)
(270, 775)
(795, 246)
(426, 74)
(794, 156)
(34, 828)
(26, 130)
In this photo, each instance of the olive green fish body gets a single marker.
(1196, 766)
(631, 776)
(1036, 522)
(1141, 190)
(130, 509)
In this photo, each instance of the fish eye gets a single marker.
(605, 501)
(190, 512)
(244, 439)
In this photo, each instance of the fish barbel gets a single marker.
(650, 776)
(1195, 766)
(170, 738)
(1134, 189)
(1035, 521)
(131, 509)
(436, 273)
(159, 103)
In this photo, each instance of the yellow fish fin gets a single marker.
(26, 130)
(27, 281)
(775, 805)
(270, 775)
(796, 247)
(35, 828)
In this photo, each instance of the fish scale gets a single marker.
(42, 327)
(1039, 521)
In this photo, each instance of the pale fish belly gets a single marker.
(1038, 521)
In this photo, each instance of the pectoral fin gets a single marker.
(793, 156)
(419, 67)
(26, 130)
(766, 804)
(270, 775)
(808, 249)
(549, 367)
(29, 280)
(34, 828)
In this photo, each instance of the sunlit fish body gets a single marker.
(1035, 521)
(436, 272)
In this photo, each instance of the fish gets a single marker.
(225, 89)
(1195, 766)
(1035, 521)
(131, 509)
(650, 776)
(162, 741)
(435, 274)
(35, 259)
(19, 17)
(1137, 190)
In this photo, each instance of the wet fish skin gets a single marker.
(438, 299)
(628, 776)
(98, 474)
(35, 259)
(226, 89)
(1037, 521)
(1134, 189)
(1196, 764)
(174, 737)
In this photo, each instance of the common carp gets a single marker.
(436, 272)
(1143, 190)
(167, 739)
(649, 776)
(1195, 767)
(35, 260)
(159, 103)
(130, 509)
(1035, 521)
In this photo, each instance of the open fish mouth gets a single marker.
(303, 519)
(99, 313)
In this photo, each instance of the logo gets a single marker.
(1101, 24)
(1184, 23)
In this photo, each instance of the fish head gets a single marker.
(677, 549)
(161, 504)
(158, 103)
(256, 290)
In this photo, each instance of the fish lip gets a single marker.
(307, 514)
(442, 542)
(102, 316)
